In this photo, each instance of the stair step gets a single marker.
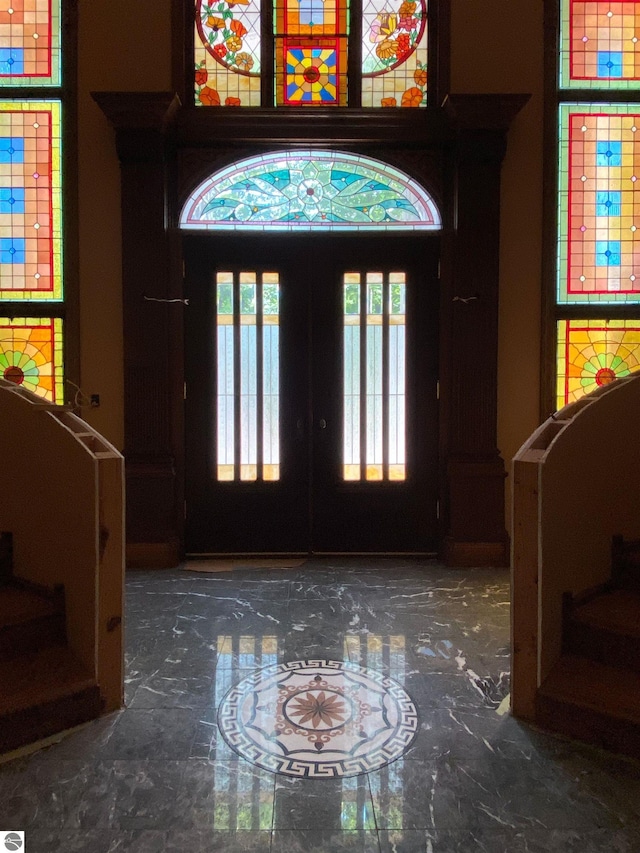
(593, 702)
(606, 629)
(28, 622)
(44, 693)
(618, 610)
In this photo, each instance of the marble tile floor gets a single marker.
(159, 776)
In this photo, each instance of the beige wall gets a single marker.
(497, 47)
(119, 51)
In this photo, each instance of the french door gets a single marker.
(311, 394)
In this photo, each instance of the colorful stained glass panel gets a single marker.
(30, 42)
(394, 54)
(592, 353)
(599, 213)
(310, 190)
(227, 53)
(600, 44)
(31, 355)
(311, 52)
(311, 74)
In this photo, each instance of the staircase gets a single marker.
(44, 689)
(593, 692)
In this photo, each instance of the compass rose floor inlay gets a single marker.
(318, 718)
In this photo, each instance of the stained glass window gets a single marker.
(374, 376)
(599, 216)
(593, 353)
(30, 201)
(394, 54)
(29, 42)
(31, 355)
(248, 371)
(309, 190)
(600, 47)
(308, 49)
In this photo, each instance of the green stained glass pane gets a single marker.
(30, 200)
(600, 44)
(310, 190)
(31, 355)
(30, 42)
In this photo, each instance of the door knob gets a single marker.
(322, 423)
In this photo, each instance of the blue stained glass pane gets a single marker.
(11, 149)
(609, 63)
(12, 250)
(311, 12)
(607, 253)
(11, 200)
(609, 153)
(11, 60)
(608, 203)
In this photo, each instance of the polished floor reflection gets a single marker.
(160, 776)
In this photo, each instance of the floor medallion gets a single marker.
(318, 718)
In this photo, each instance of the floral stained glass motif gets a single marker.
(31, 355)
(592, 353)
(394, 53)
(30, 42)
(309, 190)
(599, 215)
(600, 44)
(30, 201)
(227, 53)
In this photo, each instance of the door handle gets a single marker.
(322, 423)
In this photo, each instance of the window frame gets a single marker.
(554, 311)
(66, 308)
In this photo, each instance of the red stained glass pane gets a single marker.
(29, 42)
(30, 201)
(600, 44)
(599, 259)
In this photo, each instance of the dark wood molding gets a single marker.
(456, 150)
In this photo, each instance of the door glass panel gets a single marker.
(248, 364)
(374, 374)
(374, 398)
(351, 355)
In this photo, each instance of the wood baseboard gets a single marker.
(478, 554)
(152, 555)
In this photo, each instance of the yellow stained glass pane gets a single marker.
(226, 472)
(592, 353)
(374, 472)
(351, 472)
(271, 472)
(397, 472)
(30, 200)
(31, 355)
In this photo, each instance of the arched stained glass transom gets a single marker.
(309, 191)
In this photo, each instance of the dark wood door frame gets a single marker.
(455, 151)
